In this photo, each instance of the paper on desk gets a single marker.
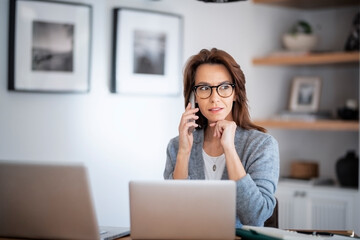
(291, 235)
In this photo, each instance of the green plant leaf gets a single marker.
(301, 26)
(305, 26)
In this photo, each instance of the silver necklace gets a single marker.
(214, 162)
(214, 166)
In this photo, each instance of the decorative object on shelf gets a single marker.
(347, 170)
(146, 52)
(49, 46)
(300, 37)
(305, 94)
(352, 43)
(315, 181)
(304, 169)
(324, 181)
(350, 111)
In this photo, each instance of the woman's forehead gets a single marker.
(212, 74)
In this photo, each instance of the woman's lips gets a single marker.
(215, 109)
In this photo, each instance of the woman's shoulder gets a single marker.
(173, 147)
(174, 141)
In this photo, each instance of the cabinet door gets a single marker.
(331, 211)
(293, 209)
(311, 208)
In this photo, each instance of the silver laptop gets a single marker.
(182, 209)
(48, 201)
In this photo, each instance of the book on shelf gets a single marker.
(317, 181)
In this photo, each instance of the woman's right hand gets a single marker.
(185, 137)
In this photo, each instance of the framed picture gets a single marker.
(49, 46)
(146, 52)
(305, 94)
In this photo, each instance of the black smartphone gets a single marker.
(192, 101)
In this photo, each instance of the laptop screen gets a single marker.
(182, 209)
(46, 201)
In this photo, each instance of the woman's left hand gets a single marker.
(225, 130)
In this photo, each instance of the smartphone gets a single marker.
(192, 101)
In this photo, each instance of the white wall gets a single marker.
(123, 137)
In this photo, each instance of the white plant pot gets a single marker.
(300, 41)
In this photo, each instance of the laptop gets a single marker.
(48, 201)
(182, 209)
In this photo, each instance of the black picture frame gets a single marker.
(147, 48)
(49, 46)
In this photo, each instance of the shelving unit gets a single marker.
(319, 204)
(309, 4)
(309, 59)
(304, 60)
(321, 125)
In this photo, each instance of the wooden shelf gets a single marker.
(309, 4)
(309, 59)
(323, 125)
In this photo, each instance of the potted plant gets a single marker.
(300, 37)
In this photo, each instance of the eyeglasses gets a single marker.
(224, 90)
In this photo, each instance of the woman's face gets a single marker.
(215, 107)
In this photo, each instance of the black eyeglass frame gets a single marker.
(217, 89)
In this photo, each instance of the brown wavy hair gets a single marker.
(240, 109)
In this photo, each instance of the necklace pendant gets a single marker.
(214, 168)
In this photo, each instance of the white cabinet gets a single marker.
(303, 206)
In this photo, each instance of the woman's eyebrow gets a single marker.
(206, 83)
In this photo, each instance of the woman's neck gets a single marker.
(212, 145)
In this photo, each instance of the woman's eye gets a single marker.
(224, 87)
(203, 88)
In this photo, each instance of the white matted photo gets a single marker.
(146, 52)
(305, 94)
(49, 47)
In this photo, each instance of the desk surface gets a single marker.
(122, 238)
(341, 232)
(349, 233)
(129, 238)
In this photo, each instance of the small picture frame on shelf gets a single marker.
(146, 52)
(305, 94)
(49, 46)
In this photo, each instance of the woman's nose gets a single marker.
(214, 96)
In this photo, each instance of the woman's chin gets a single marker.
(215, 120)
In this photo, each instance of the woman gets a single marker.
(225, 144)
